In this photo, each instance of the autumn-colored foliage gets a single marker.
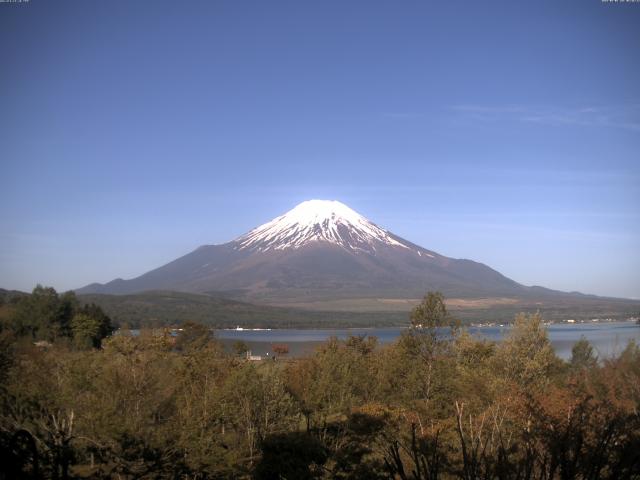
(425, 407)
(280, 348)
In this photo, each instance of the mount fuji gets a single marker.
(321, 250)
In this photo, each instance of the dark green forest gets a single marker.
(79, 402)
(160, 309)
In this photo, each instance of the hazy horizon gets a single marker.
(133, 132)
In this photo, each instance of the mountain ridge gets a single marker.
(321, 250)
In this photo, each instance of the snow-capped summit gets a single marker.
(318, 221)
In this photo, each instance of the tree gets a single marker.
(475, 370)
(432, 313)
(526, 355)
(44, 315)
(86, 330)
(260, 403)
(67, 307)
(582, 355)
(194, 336)
(47, 315)
(417, 370)
(89, 326)
(105, 327)
(363, 344)
(240, 347)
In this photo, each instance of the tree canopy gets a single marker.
(155, 406)
(47, 315)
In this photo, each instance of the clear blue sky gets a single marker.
(132, 132)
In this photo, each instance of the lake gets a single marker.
(607, 338)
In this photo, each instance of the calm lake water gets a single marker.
(607, 338)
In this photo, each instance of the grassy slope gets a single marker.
(556, 308)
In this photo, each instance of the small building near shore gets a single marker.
(253, 358)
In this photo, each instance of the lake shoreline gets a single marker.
(607, 338)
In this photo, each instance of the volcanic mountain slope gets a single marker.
(321, 250)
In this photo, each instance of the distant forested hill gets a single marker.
(8, 296)
(158, 308)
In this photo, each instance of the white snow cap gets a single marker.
(318, 221)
